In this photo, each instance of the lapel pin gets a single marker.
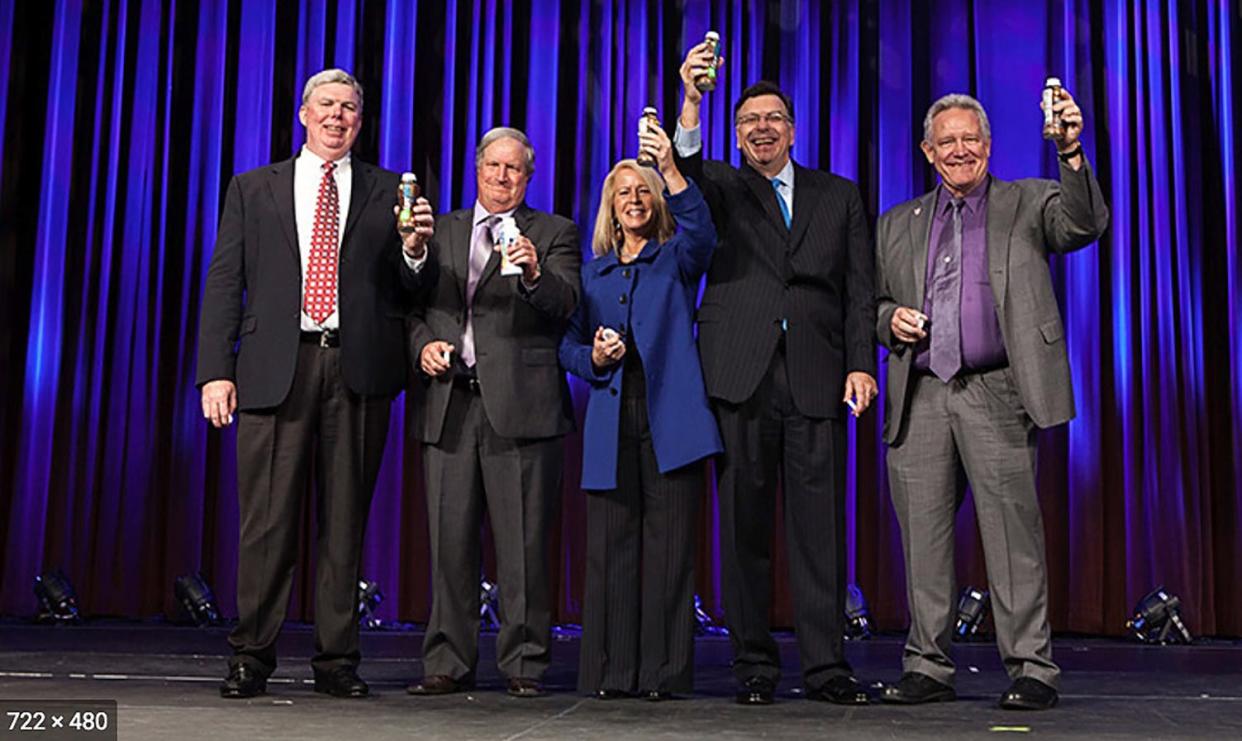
(918, 210)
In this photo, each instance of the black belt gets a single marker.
(466, 383)
(326, 338)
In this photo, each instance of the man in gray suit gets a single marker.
(490, 414)
(977, 363)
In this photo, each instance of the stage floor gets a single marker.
(164, 680)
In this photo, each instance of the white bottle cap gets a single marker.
(651, 111)
(1052, 82)
(409, 177)
(711, 36)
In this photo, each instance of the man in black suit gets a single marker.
(785, 326)
(302, 335)
(490, 411)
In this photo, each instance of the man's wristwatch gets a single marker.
(1067, 156)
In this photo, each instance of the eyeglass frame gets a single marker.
(771, 117)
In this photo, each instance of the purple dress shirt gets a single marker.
(983, 347)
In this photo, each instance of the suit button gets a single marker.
(625, 273)
(623, 299)
(612, 391)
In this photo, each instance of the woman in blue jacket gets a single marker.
(648, 427)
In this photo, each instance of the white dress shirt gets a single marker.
(307, 174)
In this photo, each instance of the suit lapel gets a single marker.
(762, 189)
(806, 200)
(362, 180)
(919, 232)
(460, 233)
(1003, 202)
(281, 186)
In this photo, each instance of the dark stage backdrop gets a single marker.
(123, 121)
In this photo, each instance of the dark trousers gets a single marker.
(765, 437)
(638, 610)
(343, 435)
(518, 482)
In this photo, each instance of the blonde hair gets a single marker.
(608, 237)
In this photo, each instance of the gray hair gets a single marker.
(327, 77)
(504, 132)
(956, 100)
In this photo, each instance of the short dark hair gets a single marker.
(764, 87)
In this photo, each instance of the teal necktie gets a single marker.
(780, 200)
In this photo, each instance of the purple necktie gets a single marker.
(946, 331)
(480, 251)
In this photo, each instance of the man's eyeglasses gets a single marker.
(774, 118)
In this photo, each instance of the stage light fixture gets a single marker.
(369, 599)
(197, 599)
(972, 610)
(857, 615)
(489, 604)
(703, 623)
(57, 598)
(1157, 619)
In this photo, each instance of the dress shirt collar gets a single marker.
(481, 213)
(972, 201)
(313, 160)
(786, 175)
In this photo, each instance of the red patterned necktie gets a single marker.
(320, 299)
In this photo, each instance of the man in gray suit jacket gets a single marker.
(490, 414)
(977, 363)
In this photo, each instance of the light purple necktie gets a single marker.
(946, 331)
(480, 252)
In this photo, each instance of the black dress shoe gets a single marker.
(524, 687)
(611, 695)
(657, 695)
(840, 690)
(243, 681)
(915, 688)
(756, 691)
(341, 681)
(439, 684)
(1028, 693)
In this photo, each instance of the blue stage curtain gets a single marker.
(122, 122)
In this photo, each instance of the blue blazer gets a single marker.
(651, 299)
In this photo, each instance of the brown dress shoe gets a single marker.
(525, 687)
(438, 684)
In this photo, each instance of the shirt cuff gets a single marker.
(688, 141)
(414, 263)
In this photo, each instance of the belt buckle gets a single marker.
(326, 337)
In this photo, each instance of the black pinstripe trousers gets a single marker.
(638, 611)
(764, 436)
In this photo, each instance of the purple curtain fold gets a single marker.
(121, 122)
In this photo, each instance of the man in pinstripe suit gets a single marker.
(786, 341)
